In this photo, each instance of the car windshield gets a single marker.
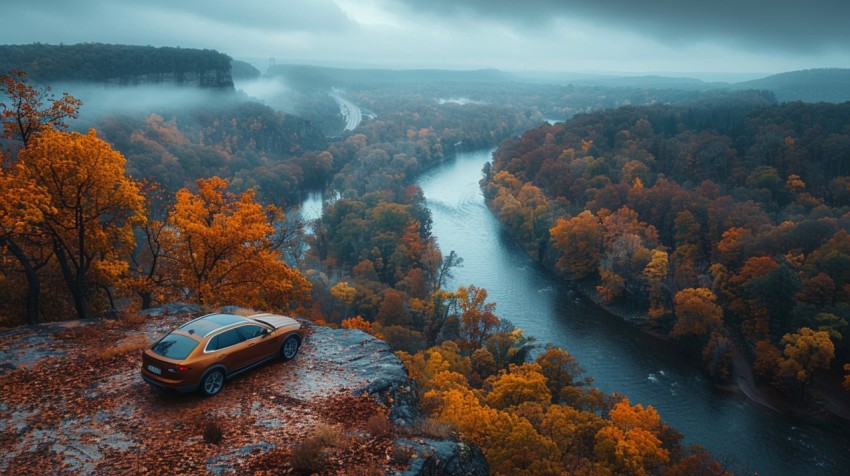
(205, 325)
(174, 346)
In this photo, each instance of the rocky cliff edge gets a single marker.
(72, 402)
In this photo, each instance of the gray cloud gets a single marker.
(298, 15)
(573, 35)
(790, 25)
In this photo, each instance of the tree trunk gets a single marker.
(33, 282)
(72, 280)
(147, 299)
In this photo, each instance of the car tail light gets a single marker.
(179, 368)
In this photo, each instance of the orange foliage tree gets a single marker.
(21, 208)
(631, 444)
(26, 112)
(91, 210)
(579, 239)
(226, 251)
(561, 370)
(696, 312)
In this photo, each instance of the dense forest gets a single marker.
(726, 222)
(119, 64)
(371, 262)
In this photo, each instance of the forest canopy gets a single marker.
(118, 64)
(727, 222)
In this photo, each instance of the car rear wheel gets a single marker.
(289, 349)
(212, 383)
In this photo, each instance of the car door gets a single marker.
(228, 349)
(258, 343)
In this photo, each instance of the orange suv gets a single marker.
(203, 353)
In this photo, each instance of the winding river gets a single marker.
(747, 437)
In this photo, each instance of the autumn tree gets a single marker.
(656, 277)
(393, 310)
(767, 359)
(31, 109)
(477, 318)
(631, 444)
(518, 384)
(561, 370)
(226, 249)
(805, 352)
(579, 239)
(148, 276)
(510, 442)
(696, 312)
(93, 206)
(21, 214)
(574, 431)
(27, 111)
(345, 294)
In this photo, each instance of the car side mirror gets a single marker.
(265, 332)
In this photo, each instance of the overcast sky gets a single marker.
(622, 36)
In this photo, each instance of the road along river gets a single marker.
(619, 357)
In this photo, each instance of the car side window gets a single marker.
(249, 332)
(224, 340)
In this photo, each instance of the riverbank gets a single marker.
(828, 404)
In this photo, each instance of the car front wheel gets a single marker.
(289, 349)
(212, 383)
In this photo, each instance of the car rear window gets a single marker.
(174, 346)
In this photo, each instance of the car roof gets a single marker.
(206, 325)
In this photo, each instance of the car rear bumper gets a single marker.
(172, 388)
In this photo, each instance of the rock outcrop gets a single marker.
(72, 400)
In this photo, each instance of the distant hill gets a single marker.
(244, 70)
(811, 85)
(652, 82)
(119, 64)
(319, 77)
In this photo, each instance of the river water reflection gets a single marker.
(647, 370)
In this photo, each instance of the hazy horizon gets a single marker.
(725, 40)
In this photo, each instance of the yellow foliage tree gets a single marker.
(520, 383)
(225, 250)
(574, 432)
(656, 275)
(631, 444)
(511, 443)
(805, 352)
